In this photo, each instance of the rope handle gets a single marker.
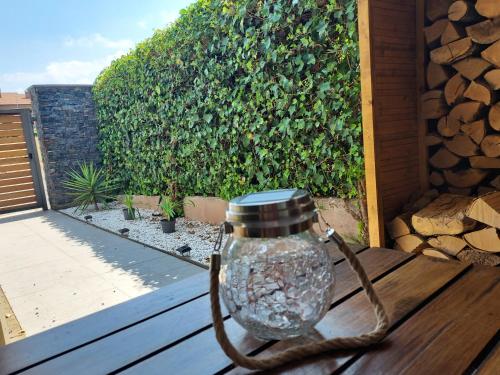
(303, 351)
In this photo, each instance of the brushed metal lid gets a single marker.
(271, 213)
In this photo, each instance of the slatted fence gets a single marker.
(18, 186)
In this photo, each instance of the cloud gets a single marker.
(97, 40)
(142, 24)
(168, 17)
(59, 72)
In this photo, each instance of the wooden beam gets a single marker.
(373, 199)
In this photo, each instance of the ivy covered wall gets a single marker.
(238, 96)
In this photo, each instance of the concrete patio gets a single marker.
(55, 269)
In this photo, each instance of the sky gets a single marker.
(71, 41)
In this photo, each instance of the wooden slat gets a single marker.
(14, 188)
(15, 202)
(213, 360)
(35, 349)
(5, 197)
(14, 146)
(16, 181)
(13, 168)
(8, 176)
(10, 161)
(11, 126)
(491, 363)
(338, 256)
(120, 349)
(10, 118)
(9, 140)
(446, 336)
(10, 133)
(11, 154)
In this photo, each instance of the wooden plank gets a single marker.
(338, 256)
(11, 126)
(374, 203)
(11, 154)
(14, 188)
(10, 118)
(400, 297)
(491, 363)
(16, 181)
(10, 161)
(10, 133)
(214, 360)
(15, 202)
(9, 140)
(118, 350)
(445, 336)
(14, 146)
(13, 168)
(421, 132)
(8, 176)
(5, 197)
(19, 207)
(34, 349)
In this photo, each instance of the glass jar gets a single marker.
(277, 276)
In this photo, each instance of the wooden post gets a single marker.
(373, 201)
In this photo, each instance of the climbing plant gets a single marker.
(238, 96)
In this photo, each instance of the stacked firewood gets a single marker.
(451, 226)
(461, 105)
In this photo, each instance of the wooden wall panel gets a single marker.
(390, 75)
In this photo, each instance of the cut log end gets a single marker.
(430, 252)
(491, 145)
(479, 257)
(465, 178)
(485, 239)
(444, 215)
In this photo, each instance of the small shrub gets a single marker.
(167, 207)
(89, 186)
(128, 201)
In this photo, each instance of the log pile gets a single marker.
(461, 104)
(451, 226)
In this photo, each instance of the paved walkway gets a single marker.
(54, 269)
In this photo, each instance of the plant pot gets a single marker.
(168, 226)
(127, 215)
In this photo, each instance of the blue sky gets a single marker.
(71, 41)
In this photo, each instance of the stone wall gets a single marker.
(66, 124)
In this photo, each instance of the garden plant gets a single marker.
(238, 96)
(89, 185)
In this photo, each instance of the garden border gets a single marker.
(196, 263)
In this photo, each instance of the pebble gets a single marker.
(199, 236)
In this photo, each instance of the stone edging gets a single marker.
(171, 253)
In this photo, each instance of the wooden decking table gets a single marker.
(445, 319)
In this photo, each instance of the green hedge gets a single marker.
(238, 96)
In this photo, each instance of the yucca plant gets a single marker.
(89, 185)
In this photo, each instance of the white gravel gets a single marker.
(199, 236)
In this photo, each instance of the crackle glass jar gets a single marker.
(277, 276)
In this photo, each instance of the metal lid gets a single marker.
(271, 213)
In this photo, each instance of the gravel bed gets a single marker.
(199, 236)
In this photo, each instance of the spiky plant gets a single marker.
(168, 208)
(128, 201)
(88, 185)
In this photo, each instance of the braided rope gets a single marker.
(300, 352)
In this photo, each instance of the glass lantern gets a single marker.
(277, 276)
